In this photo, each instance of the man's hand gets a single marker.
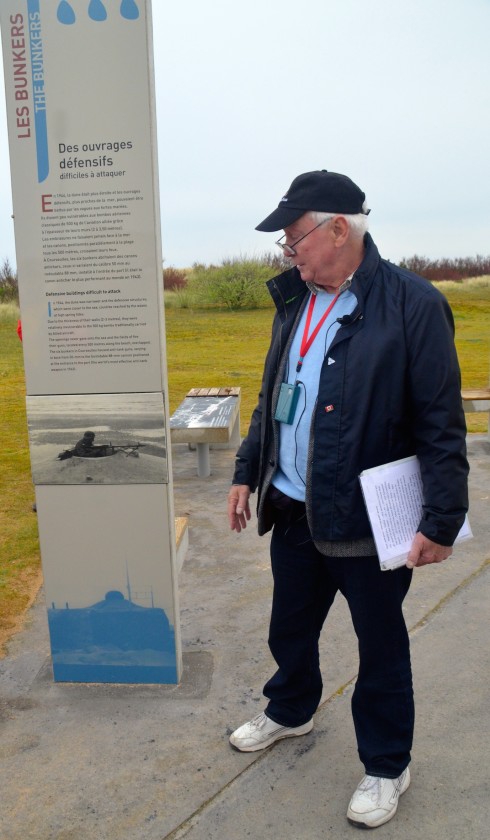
(238, 506)
(424, 551)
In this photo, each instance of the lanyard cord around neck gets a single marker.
(307, 341)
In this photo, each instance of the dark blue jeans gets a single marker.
(305, 585)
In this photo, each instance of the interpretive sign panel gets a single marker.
(111, 611)
(80, 108)
(98, 438)
(83, 171)
(204, 412)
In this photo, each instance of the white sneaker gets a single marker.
(375, 800)
(260, 732)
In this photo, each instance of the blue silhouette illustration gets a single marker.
(129, 10)
(96, 11)
(112, 641)
(65, 13)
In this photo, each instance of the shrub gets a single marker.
(9, 289)
(174, 279)
(181, 299)
(276, 261)
(235, 284)
(446, 269)
(9, 312)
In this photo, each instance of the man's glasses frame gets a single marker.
(288, 250)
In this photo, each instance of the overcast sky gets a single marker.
(394, 94)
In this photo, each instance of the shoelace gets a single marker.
(259, 721)
(371, 785)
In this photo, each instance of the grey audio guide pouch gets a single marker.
(287, 402)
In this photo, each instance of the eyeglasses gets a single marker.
(288, 250)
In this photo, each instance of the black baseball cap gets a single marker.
(328, 192)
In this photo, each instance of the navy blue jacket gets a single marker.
(393, 391)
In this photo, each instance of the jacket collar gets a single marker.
(288, 287)
(364, 276)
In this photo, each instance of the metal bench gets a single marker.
(207, 416)
(477, 399)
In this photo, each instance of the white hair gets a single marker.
(358, 222)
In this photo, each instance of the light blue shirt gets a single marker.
(290, 476)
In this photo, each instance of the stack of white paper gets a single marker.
(393, 496)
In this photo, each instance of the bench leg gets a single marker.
(203, 467)
(235, 439)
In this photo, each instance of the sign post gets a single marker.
(82, 136)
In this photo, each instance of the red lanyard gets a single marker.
(306, 341)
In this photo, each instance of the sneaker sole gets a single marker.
(357, 821)
(300, 730)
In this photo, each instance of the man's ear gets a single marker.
(340, 230)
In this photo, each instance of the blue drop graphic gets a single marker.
(97, 10)
(65, 13)
(129, 10)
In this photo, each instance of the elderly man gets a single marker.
(361, 370)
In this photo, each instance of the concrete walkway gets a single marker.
(153, 762)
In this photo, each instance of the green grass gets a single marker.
(19, 550)
(205, 348)
(470, 303)
(217, 348)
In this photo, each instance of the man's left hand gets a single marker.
(424, 551)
